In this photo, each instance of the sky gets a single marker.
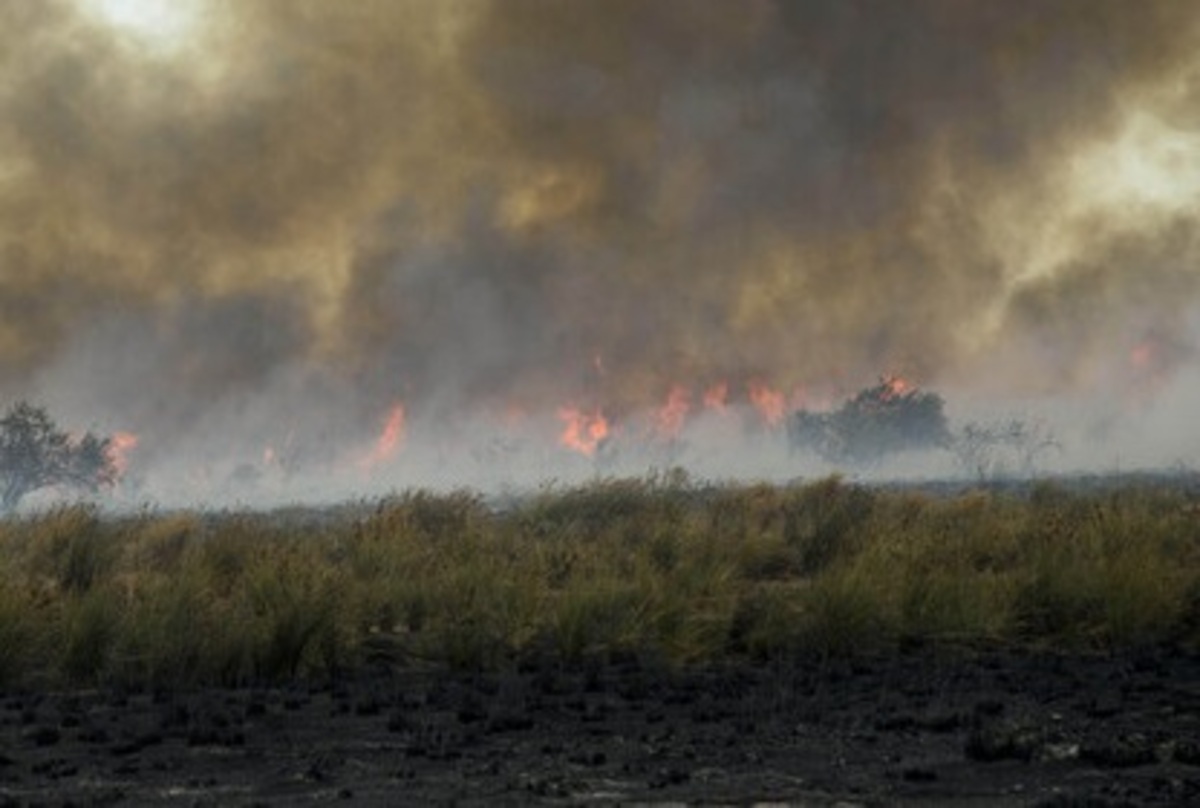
(401, 237)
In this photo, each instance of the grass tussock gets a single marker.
(655, 565)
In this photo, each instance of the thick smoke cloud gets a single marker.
(309, 210)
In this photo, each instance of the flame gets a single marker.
(770, 403)
(1142, 355)
(716, 397)
(120, 444)
(582, 431)
(1151, 361)
(897, 386)
(389, 440)
(669, 418)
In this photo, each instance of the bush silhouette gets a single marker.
(892, 416)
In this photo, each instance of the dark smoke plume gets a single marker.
(306, 211)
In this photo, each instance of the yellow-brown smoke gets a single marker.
(488, 203)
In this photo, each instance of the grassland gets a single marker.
(657, 565)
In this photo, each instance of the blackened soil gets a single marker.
(977, 729)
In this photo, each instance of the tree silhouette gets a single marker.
(36, 454)
(891, 416)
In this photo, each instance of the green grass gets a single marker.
(658, 566)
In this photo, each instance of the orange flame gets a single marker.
(1142, 355)
(898, 386)
(583, 432)
(669, 418)
(1150, 364)
(769, 403)
(119, 447)
(715, 397)
(390, 437)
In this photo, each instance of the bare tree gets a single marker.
(36, 454)
(980, 448)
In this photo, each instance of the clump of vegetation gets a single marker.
(35, 454)
(981, 449)
(658, 566)
(894, 416)
(890, 417)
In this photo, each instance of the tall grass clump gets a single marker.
(16, 634)
(1107, 570)
(658, 565)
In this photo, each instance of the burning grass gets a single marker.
(656, 565)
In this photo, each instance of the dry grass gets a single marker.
(654, 565)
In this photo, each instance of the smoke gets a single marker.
(291, 215)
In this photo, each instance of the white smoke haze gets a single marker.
(311, 251)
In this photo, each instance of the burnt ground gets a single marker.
(979, 729)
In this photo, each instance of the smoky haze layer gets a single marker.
(308, 211)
